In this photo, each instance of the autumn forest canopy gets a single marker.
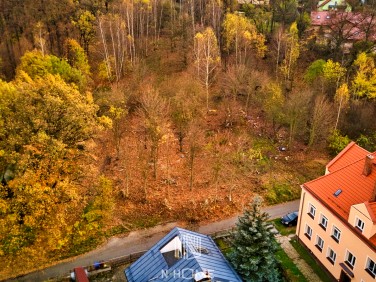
(122, 114)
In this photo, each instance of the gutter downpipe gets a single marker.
(300, 215)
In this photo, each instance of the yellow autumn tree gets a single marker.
(333, 72)
(364, 82)
(241, 36)
(44, 121)
(292, 52)
(207, 58)
(341, 98)
(273, 104)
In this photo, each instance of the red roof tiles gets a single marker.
(352, 25)
(371, 208)
(356, 188)
(347, 156)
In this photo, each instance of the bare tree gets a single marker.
(153, 112)
(143, 169)
(214, 16)
(296, 112)
(194, 141)
(184, 111)
(117, 45)
(279, 38)
(321, 121)
(117, 114)
(40, 30)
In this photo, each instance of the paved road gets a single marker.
(141, 240)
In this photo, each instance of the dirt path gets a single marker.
(300, 263)
(141, 240)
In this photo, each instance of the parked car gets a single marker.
(290, 219)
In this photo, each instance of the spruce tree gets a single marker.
(254, 246)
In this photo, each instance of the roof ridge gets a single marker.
(336, 171)
(344, 151)
(340, 154)
(351, 144)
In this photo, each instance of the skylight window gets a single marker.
(336, 194)
(201, 250)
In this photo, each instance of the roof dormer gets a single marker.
(363, 218)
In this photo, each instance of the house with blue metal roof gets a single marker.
(182, 256)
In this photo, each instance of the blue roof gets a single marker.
(200, 254)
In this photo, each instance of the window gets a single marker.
(331, 256)
(323, 222)
(350, 259)
(308, 232)
(336, 194)
(311, 211)
(371, 267)
(336, 234)
(173, 251)
(319, 243)
(201, 250)
(359, 224)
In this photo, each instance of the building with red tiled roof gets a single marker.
(343, 28)
(337, 215)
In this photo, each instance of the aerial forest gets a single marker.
(117, 115)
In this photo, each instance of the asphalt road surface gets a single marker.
(139, 241)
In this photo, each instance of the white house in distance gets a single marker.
(333, 5)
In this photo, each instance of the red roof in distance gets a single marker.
(352, 24)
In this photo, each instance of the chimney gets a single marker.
(373, 196)
(368, 165)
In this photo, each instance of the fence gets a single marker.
(222, 233)
(125, 259)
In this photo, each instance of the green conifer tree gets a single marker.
(254, 247)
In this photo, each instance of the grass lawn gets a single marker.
(282, 229)
(304, 254)
(223, 245)
(289, 269)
